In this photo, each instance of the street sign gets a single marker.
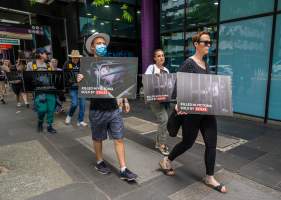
(9, 41)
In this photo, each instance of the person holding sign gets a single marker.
(105, 116)
(73, 65)
(192, 123)
(159, 109)
(45, 102)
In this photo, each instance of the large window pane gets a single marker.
(244, 54)
(201, 12)
(173, 46)
(172, 37)
(106, 19)
(231, 9)
(172, 16)
(275, 95)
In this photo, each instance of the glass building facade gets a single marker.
(246, 46)
(125, 34)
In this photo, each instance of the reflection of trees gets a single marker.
(201, 11)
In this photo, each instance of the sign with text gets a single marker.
(108, 77)
(9, 41)
(158, 87)
(204, 94)
(44, 81)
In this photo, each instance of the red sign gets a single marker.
(6, 46)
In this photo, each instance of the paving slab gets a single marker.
(272, 160)
(141, 160)
(139, 125)
(224, 142)
(240, 188)
(266, 143)
(31, 171)
(83, 191)
(161, 187)
(261, 173)
(230, 161)
(247, 152)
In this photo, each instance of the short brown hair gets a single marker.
(197, 36)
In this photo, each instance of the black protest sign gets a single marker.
(158, 87)
(44, 81)
(108, 77)
(204, 94)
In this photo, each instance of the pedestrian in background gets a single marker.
(160, 109)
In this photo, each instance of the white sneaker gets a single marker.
(68, 120)
(84, 124)
(19, 104)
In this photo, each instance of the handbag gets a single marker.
(174, 123)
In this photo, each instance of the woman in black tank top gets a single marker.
(192, 123)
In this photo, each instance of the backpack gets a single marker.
(34, 66)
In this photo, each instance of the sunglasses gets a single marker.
(206, 43)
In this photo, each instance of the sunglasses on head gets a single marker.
(206, 43)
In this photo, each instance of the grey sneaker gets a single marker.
(102, 168)
(128, 175)
(164, 150)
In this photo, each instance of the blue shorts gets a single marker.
(105, 123)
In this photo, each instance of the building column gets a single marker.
(150, 30)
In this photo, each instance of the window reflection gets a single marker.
(200, 12)
(173, 46)
(244, 54)
(107, 19)
(242, 8)
(275, 96)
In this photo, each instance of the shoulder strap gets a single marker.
(34, 65)
(49, 68)
(69, 65)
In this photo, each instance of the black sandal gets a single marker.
(217, 188)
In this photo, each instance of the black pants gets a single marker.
(190, 127)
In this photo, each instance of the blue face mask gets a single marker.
(101, 50)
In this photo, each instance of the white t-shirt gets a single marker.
(153, 69)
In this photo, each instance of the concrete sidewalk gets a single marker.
(41, 166)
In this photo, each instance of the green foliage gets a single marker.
(94, 19)
(32, 2)
(98, 3)
(126, 15)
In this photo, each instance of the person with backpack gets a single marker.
(44, 102)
